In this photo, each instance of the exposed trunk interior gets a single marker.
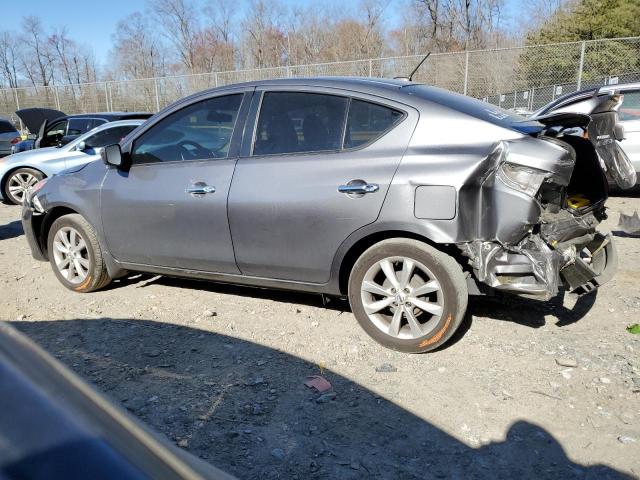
(587, 180)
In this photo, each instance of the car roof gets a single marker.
(107, 115)
(368, 85)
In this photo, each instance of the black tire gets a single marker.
(20, 172)
(97, 276)
(452, 294)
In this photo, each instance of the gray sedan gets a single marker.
(404, 198)
(21, 171)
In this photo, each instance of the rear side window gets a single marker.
(630, 108)
(78, 126)
(109, 136)
(367, 122)
(6, 127)
(298, 122)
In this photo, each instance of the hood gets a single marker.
(32, 157)
(33, 118)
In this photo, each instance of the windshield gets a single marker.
(476, 108)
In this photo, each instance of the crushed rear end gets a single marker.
(540, 203)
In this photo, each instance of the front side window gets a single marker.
(630, 108)
(108, 136)
(298, 122)
(200, 131)
(367, 122)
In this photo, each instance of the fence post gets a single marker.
(155, 87)
(215, 78)
(109, 98)
(106, 95)
(466, 71)
(370, 68)
(580, 68)
(57, 96)
(15, 94)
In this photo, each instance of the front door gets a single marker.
(170, 208)
(306, 182)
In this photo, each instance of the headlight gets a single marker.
(525, 179)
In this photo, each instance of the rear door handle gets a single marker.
(201, 190)
(358, 187)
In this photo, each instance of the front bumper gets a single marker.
(31, 223)
(536, 269)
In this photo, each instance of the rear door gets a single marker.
(305, 182)
(170, 208)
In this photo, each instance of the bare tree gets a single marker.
(180, 26)
(137, 51)
(9, 58)
(264, 40)
(37, 61)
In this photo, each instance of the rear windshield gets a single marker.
(6, 127)
(475, 108)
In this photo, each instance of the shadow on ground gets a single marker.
(11, 230)
(244, 408)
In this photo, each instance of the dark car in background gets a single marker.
(50, 128)
(9, 136)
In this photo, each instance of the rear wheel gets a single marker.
(75, 254)
(19, 182)
(407, 295)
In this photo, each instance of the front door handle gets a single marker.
(358, 187)
(200, 189)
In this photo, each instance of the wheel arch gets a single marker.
(51, 216)
(357, 246)
(8, 173)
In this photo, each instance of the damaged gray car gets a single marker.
(402, 197)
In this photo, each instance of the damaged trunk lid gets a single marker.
(595, 118)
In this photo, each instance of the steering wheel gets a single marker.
(199, 151)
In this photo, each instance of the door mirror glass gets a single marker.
(112, 155)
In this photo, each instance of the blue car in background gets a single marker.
(21, 171)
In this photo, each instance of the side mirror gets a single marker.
(618, 132)
(81, 146)
(112, 155)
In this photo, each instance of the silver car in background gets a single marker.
(9, 136)
(628, 113)
(21, 171)
(402, 197)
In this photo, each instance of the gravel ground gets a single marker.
(526, 389)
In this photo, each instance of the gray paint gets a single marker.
(279, 221)
(435, 202)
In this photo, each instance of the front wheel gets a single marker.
(19, 183)
(75, 254)
(407, 295)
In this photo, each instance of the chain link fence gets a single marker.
(521, 78)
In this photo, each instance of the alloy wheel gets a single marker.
(402, 297)
(71, 255)
(19, 185)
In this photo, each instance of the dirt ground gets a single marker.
(219, 370)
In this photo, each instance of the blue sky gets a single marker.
(92, 22)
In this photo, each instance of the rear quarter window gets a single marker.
(6, 127)
(367, 122)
